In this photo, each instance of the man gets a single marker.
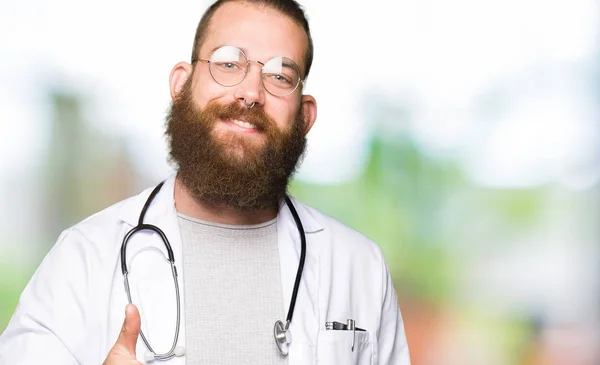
(243, 255)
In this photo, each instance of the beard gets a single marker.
(229, 169)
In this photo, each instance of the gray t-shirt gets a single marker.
(233, 295)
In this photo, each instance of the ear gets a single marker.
(179, 75)
(309, 108)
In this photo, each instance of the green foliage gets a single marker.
(11, 286)
(395, 203)
(421, 210)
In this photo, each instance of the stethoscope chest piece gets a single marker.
(283, 337)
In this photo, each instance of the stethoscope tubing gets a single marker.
(300, 264)
(149, 227)
(141, 226)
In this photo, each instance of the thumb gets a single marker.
(130, 330)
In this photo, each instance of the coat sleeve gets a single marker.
(392, 344)
(50, 324)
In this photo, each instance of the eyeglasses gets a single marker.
(229, 66)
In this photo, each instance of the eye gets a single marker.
(227, 66)
(281, 79)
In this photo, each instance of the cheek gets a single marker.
(283, 118)
(205, 89)
(284, 112)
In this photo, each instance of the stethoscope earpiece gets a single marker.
(151, 356)
(179, 351)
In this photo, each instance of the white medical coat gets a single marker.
(72, 310)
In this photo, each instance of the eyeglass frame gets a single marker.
(300, 79)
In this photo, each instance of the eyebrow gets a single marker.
(287, 64)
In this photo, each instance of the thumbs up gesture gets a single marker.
(123, 352)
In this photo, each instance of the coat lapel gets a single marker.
(304, 326)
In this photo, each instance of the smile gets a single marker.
(239, 126)
(243, 124)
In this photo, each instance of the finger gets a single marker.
(130, 330)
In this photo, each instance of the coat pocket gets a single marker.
(335, 347)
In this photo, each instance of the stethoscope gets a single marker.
(281, 332)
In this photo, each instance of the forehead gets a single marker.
(262, 32)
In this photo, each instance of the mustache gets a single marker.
(256, 116)
(254, 181)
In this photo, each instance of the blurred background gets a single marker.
(462, 136)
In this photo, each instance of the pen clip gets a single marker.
(352, 326)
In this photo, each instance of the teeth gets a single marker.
(243, 124)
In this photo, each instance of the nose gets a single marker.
(251, 90)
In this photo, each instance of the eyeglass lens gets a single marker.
(228, 66)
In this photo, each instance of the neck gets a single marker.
(187, 205)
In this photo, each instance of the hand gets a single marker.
(123, 352)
